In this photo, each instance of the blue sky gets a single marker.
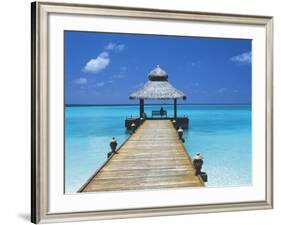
(105, 68)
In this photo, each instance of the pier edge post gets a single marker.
(198, 163)
(113, 146)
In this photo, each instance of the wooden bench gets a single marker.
(158, 113)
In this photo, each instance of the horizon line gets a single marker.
(69, 105)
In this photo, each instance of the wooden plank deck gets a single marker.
(153, 157)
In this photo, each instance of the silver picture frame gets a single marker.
(40, 110)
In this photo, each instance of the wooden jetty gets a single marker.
(182, 122)
(153, 157)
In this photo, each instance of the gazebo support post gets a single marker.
(141, 107)
(175, 108)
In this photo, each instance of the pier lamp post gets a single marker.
(133, 127)
(174, 123)
(113, 145)
(180, 133)
(141, 120)
(198, 163)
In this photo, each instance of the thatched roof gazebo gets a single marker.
(157, 87)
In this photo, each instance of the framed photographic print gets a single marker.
(147, 112)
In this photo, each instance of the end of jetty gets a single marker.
(154, 155)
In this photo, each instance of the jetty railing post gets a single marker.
(133, 127)
(175, 108)
(198, 163)
(113, 145)
(174, 123)
(141, 107)
(180, 133)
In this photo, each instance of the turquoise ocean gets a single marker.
(221, 133)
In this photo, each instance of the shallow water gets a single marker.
(222, 134)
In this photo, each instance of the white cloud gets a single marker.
(244, 58)
(97, 64)
(120, 48)
(110, 46)
(81, 81)
(113, 46)
(100, 84)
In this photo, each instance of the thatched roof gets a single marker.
(158, 74)
(157, 87)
